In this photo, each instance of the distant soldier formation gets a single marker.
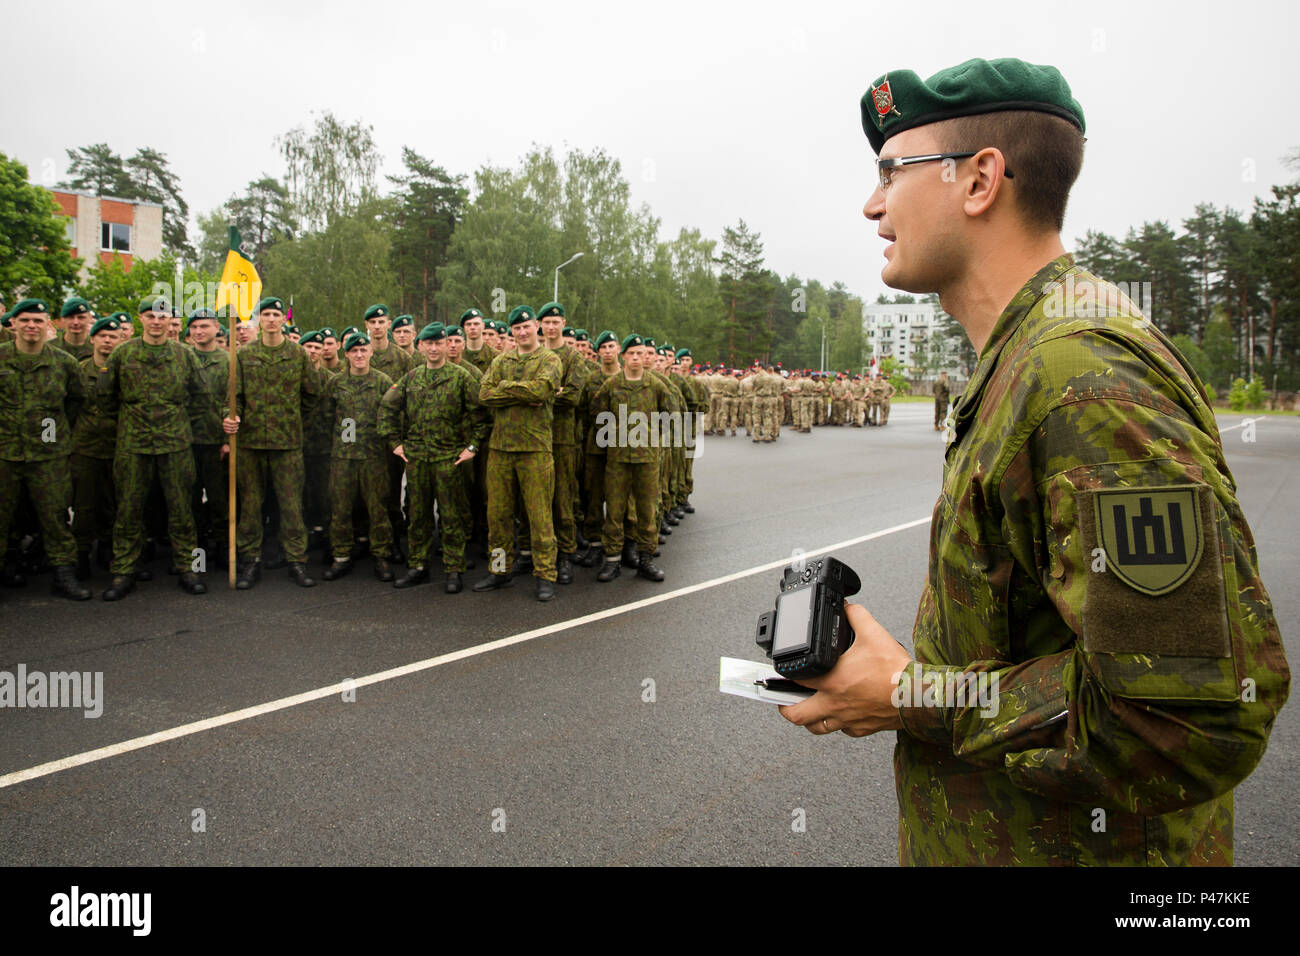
(762, 398)
(526, 443)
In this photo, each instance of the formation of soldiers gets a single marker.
(526, 442)
(762, 398)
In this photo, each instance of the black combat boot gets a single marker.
(340, 567)
(595, 555)
(688, 507)
(121, 586)
(563, 571)
(415, 574)
(671, 519)
(277, 562)
(191, 583)
(453, 585)
(523, 565)
(382, 571)
(629, 555)
(679, 513)
(65, 583)
(83, 565)
(298, 575)
(545, 590)
(250, 572)
(143, 574)
(645, 569)
(609, 571)
(11, 576)
(492, 582)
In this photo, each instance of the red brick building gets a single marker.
(99, 226)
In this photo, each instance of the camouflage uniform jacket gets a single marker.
(1118, 726)
(317, 425)
(78, 352)
(613, 409)
(392, 361)
(155, 391)
(566, 401)
(355, 399)
(434, 413)
(214, 382)
(274, 389)
(481, 359)
(35, 389)
(95, 434)
(520, 389)
(596, 379)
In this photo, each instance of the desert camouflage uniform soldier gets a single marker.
(154, 389)
(434, 419)
(1088, 550)
(940, 401)
(520, 389)
(275, 384)
(40, 398)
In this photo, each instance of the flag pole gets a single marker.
(232, 487)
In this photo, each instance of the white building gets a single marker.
(895, 331)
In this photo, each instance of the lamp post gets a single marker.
(555, 297)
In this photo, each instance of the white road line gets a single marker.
(1241, 424)
(235, 716)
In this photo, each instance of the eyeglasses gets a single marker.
(885, 167)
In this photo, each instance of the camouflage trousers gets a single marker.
(884, 411)
(350, 479)
(769, 418)
(531, 475)
(940, 413)
(444, 485)
(94, 500)
(49, 483)
(594, 521)
(640, 482)
(316, 504)
(565, 488)
(211, 481)
(133, 476)
(282, 469)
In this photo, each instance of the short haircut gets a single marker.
(1043, 152)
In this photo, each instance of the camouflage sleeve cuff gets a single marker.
(921, 707)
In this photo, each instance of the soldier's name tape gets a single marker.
(351, 684)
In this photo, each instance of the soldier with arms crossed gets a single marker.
(1088, 550)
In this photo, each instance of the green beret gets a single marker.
(4, 320)
(551, 308)
(470, 314)
(355, 339)
(681, 354)
(650, 342)
(74, 306)
(455, 330)
(122, 318)
(107, 323)
(328, 333)
(290, 329)
(581, 335)
(376, 311)
(501, 327)
(568, 332)
(402, 321)
(520, 313)
(606, 336)
(632, 341)
(902, 100)
(270, 302)
(432, 332)
(198, 315)
(318, 337)
(153, 303)
(29, 305)
(222, 330)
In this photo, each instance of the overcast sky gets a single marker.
(718, 111)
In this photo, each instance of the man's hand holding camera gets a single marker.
(857, 695)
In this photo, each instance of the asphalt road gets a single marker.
(549, 750)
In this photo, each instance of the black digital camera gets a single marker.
(808, 631)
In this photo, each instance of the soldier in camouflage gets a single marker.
(40, 397)
(563, 436)
(434, 421)
(154, 389)
(76, 317)
(94, 437)
(1090, 563)
(394, 363)
(520, 388)
(210, 501)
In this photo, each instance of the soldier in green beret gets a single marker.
(403, 335)
(275, 384)
(358, 459)
(154, 389)
(478, 351)
(394, 363)
(211, 503)
(1090, 564)
(76, 318)
(329, 351)
(41, 395)
(593, 505)
(94, 443)
(520, 388)
(563, 436)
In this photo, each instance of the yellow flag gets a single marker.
(240, 284)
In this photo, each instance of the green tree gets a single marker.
(97, 170)
(1195, 356)
(743, 291)
(428, 206)
(35, 257)
(152, 180)
(1220, 353)
(331, 170)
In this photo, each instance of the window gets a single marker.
(70, 224)
(115, 237)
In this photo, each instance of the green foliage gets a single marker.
(1195, 356)
(1255, 394)
(1220, 353)
(1237, 395)
(428, 206)
(894, 370)
(331, 170)
(96, 169)
(35, 258)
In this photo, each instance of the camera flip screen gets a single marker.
(793, 617)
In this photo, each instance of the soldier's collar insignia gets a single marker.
(883, 97)
(1151, 537)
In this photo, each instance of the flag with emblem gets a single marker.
(240, 284)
